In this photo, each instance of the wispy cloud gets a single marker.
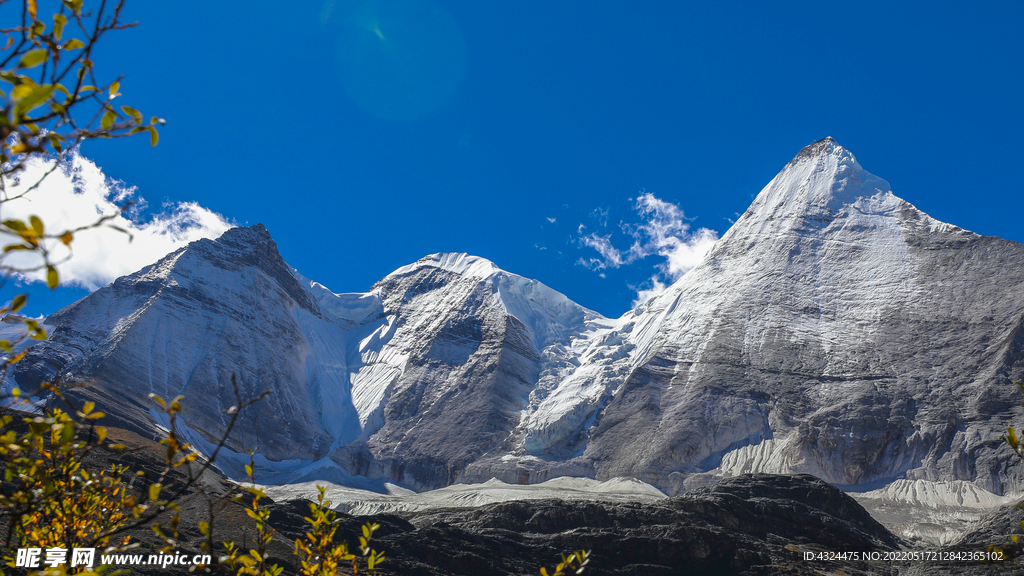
(77, 194)
(664, 231)
(611, 257)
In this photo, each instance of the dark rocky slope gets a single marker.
(752, 524)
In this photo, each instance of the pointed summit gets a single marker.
(238, 248)
(820, 181)
(826, 145)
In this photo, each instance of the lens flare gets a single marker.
(398, 60)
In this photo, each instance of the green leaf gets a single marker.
(33, 58)
(19, 302)
(113, 89)
(5, 345)
(108, 119)
(52, 279)
(73, 44)
(154, 136)
(135, 114)
(32, 99)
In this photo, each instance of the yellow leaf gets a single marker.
(108, 119)
(21, 90)
(33, 58)
(37, 225)
(135, 114)
(59, 21)
(52, 279)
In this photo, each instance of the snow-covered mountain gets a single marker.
(835, 329)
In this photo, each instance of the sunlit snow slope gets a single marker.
(835, 329)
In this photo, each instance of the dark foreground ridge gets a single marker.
(753, 524)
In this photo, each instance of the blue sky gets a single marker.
(365, 135)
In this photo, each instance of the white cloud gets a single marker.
(78, 193)
(663, 231)
(611, 257)
(645, 294)
(552, 220)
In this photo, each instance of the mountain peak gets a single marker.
(255, 234)
(821, 180)
(238, 247)
(825, 146)
(457, 262)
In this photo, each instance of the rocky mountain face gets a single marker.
(834, 330)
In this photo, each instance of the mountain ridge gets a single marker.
(827, 332)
